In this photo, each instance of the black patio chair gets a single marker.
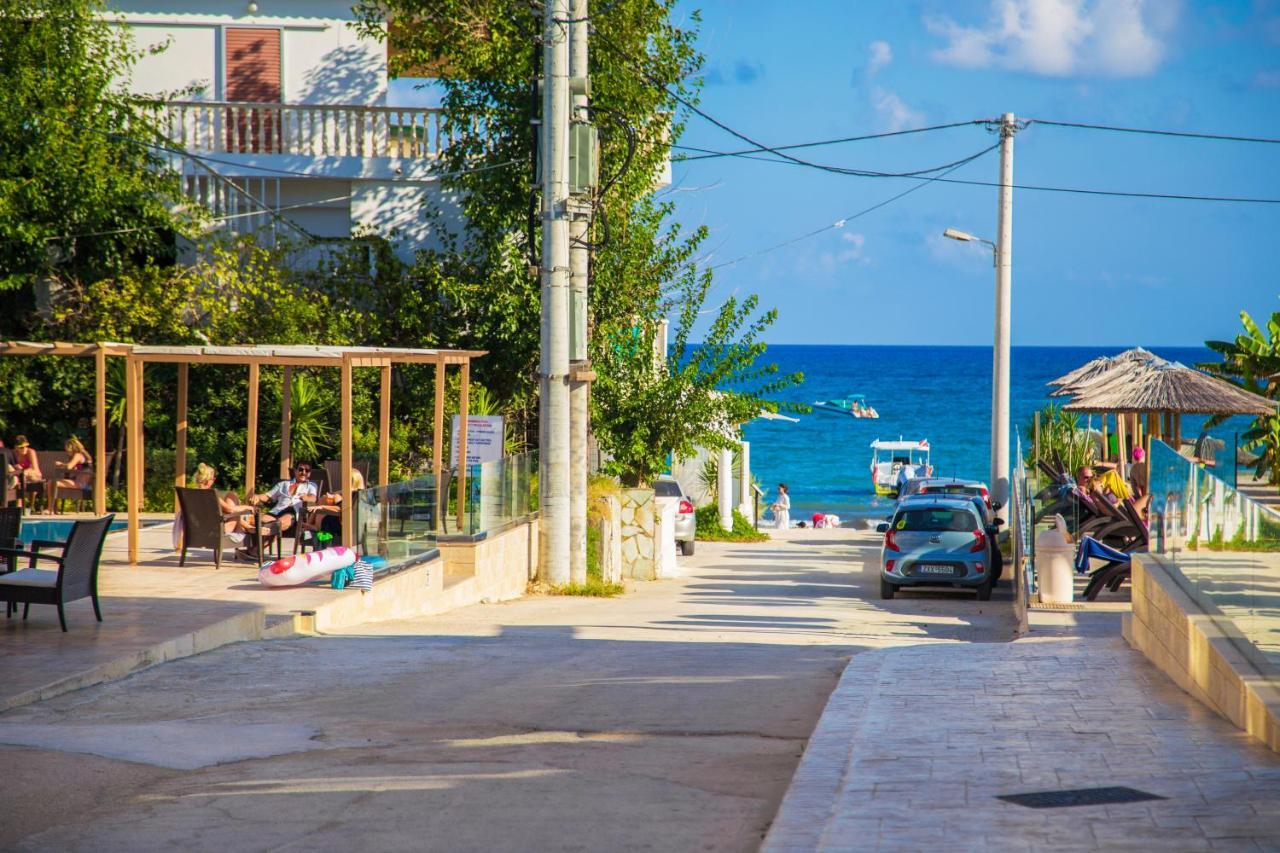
(1114, 573)
(76, 577)
(10, 529)
(202, 523)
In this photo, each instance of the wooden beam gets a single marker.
(133, 426)
(384, 429)
(286, 424)
(180, 451)
(437, 447)
(346, 457)
(463, 395)
(251, 436)
(100, 432)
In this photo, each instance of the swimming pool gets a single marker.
(55, 530)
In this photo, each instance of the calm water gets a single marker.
(942, 394)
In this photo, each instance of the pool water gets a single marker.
(55, 530)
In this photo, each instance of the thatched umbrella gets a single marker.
(1156, 386)
(1100, 368)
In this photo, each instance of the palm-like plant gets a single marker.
(311, 428)
(1252, 361)
(1061, 436)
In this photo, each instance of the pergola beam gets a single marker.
(463, 400)
(286, 423)
(100, 430)
(437, 447)
(251, 435)
(384, 427)
(346, 456)
(180, 440)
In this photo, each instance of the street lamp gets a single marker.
(999, 377)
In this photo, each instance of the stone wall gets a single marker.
(1187, 645)
(495, 568)
(608, 524)
(638, 533)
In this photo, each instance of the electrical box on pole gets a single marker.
(584, 171)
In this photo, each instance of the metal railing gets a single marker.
(339, 130)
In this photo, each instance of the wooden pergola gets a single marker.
(346, 359)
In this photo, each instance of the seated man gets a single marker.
(287, 499)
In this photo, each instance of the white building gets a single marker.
(283, 98)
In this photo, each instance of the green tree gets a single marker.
(81, 194)
(1252, 361)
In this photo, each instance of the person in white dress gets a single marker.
(782, 508)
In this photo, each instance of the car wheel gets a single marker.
(686, 548)
(984, 589)
(997, 564)
(886, 589)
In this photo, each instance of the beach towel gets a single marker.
(1090, 548)
(362, 575)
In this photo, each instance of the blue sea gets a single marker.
(942, 394)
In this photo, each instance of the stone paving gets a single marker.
(916, 744)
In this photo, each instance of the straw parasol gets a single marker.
(1098, 369)
(1159, 386)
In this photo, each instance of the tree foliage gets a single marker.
(81, 194)
(1252, 361)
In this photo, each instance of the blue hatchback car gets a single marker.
(937, 541)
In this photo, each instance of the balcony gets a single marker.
(309, 130)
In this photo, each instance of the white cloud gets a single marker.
(879, 55)
(1059, 38)
(893, 112)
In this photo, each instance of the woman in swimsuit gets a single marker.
(27, 466)
(75, 473)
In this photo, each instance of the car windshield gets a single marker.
(934, 519)
(667, 489)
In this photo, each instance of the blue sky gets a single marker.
(1087, 270)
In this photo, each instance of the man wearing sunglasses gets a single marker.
(287, 500)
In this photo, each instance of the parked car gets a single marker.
(991, 522)
(946, 486)
(686, 521)
(937, 541)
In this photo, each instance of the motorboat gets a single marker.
(851, 405)
(889, 458)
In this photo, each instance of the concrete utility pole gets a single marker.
(579, 264)
(1000, 355)
(553, 488)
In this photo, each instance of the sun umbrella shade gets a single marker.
(1156, 385)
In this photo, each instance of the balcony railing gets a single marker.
(338, 130)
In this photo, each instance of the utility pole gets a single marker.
(1000, 356)
(579, 265)
(553, 487)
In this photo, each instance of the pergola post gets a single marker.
(344, 475)
(100, 431)
(384, 428)
(286, 423)
(463, 395)
(437, 446)
(133, 415)
(1106, 442)
(180, 442)
(251, 437)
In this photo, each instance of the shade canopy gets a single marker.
(1099, 368)
(1156, 385)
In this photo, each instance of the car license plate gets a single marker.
(929, 569)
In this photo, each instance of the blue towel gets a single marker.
(1090, 547)
(341, 578)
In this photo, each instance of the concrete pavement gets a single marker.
(671, 718)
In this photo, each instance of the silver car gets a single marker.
(686, 521)
(943, 541)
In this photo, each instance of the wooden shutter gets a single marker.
(253, 74)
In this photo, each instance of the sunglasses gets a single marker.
(303, 471)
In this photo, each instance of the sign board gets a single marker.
(484, 439)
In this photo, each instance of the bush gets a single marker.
(709, 529)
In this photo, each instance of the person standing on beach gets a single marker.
(782, 508)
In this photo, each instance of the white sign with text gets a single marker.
(484, 439)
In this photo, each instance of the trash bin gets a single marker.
(1055, 566)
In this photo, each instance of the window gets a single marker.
(935, 520)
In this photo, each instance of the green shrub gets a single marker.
(709, 529)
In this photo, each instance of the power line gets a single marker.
(1221, 137)
(708, 154)
(840, 223)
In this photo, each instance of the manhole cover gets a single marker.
(1079, 797)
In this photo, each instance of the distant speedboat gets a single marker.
(888, 458)
(852, 406)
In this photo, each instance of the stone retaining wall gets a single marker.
(639, 529)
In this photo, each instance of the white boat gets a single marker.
(852, 405)
(888, 459)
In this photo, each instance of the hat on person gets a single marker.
(1138, 454)
(20, 441)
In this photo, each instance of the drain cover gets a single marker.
(1079, 797)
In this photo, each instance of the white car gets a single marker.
(686, 521)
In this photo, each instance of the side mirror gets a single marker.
(998, 522)
(882, 527)
(996, 505)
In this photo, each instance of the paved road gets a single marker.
(672, 718)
